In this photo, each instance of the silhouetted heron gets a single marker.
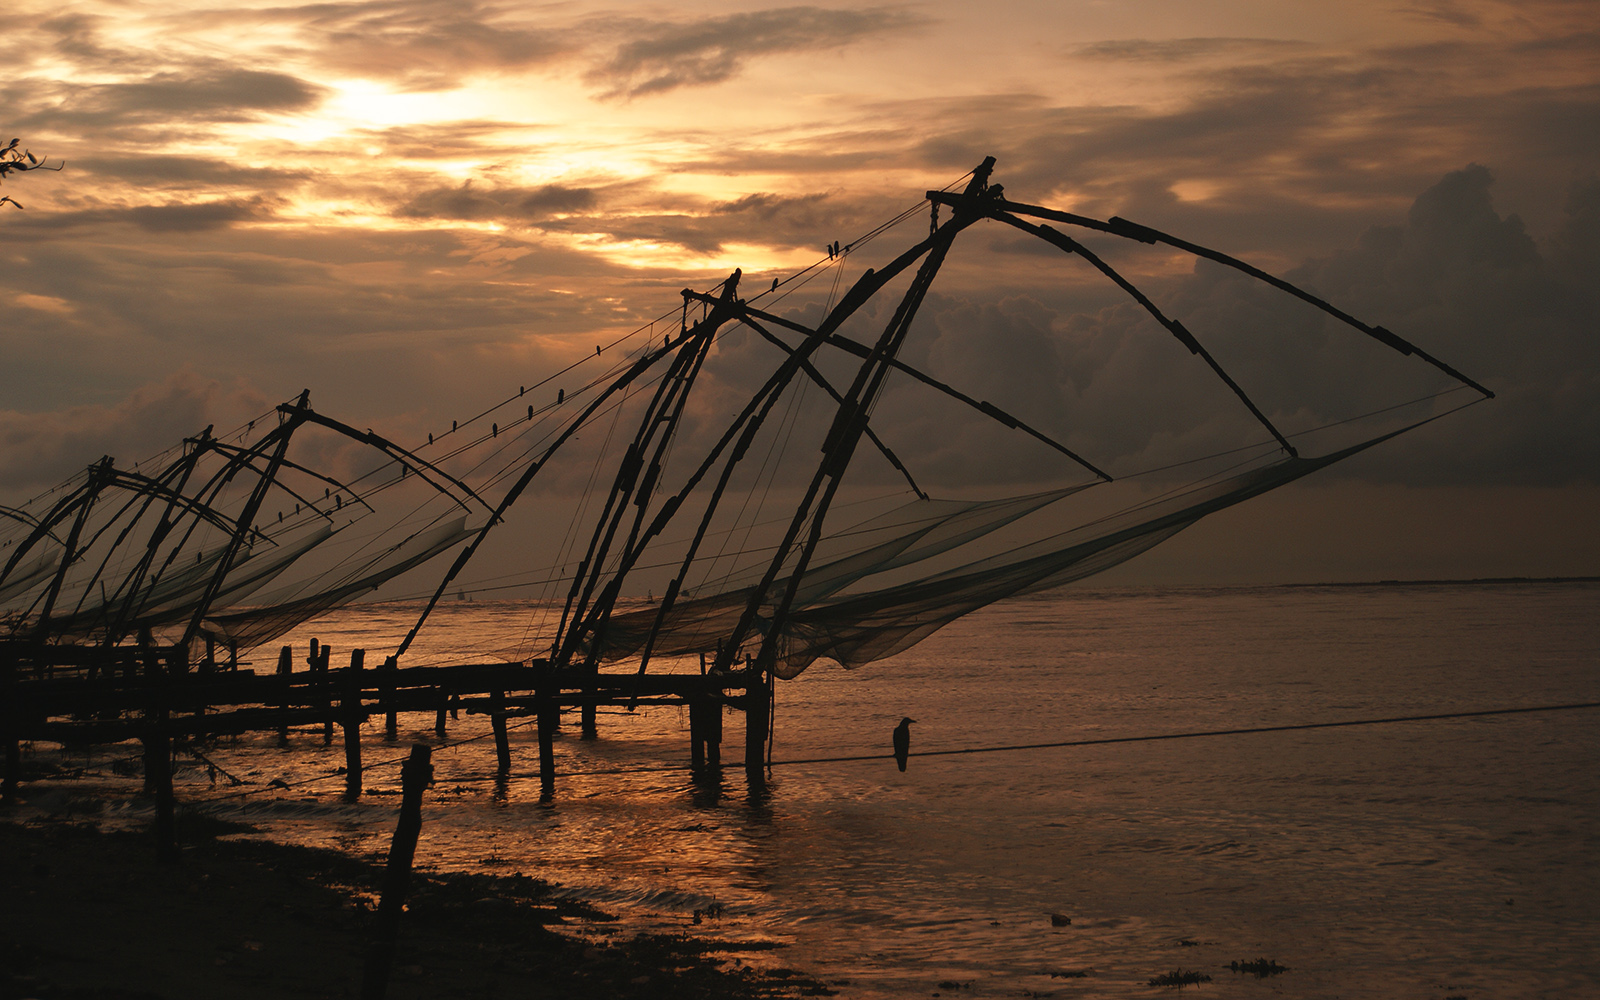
(902, 742)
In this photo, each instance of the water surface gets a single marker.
(1449, 858)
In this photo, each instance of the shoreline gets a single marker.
(95, 916)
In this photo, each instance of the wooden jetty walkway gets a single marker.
(78, 695)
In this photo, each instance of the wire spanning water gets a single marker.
(1450, 858)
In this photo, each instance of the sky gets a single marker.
(412, 207)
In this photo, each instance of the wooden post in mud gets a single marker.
(439, 713)
(391, 720)
(591, 698)
(415, 776)
(755, 725)
(502, 743)
(318, 661)
(10, 724)
(697, 740)
(158, 756)
(549, 719)
(352, 726)
(705, 727)
(285, 666)
(713, 727)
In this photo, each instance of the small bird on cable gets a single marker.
(902, 742)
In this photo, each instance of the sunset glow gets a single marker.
(260, 197)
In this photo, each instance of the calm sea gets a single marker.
(1424, 860)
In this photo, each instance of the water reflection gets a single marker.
(1373, 863)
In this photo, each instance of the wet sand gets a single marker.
(93, 915)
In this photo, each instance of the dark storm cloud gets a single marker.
(1457, 278)
(1520, 317)
(658, 56)
(1290, 149)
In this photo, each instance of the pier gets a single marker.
(153, 694)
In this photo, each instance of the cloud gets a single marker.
(43, 448)
(177, 217)
(1456, 278)
(193, 95)
(1450, 12)
(1177, 50)
(471, 203)
(448, 140)
(168, 170)
(1075, 357)
(658, 56)
(762, 219)
(421, 44)
(632, 211)
(194, 216)
(219, 94)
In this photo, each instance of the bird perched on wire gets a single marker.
(902, 742)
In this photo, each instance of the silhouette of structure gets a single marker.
(122, 582)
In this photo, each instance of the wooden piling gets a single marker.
(157, 746)
(352, 717)
(158, 772)
(591, 696)
(705, 727)
(549, 719)
(10, 725)
(440, 714)
(415, 776)
(391, 718)
(13, 775)
(713, 727)
(697, 740)
(285, 667)
(502, 744)
(322, 678)
(756, 707)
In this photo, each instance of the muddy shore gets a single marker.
(92, 915)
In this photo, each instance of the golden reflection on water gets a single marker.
(1375, 862)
